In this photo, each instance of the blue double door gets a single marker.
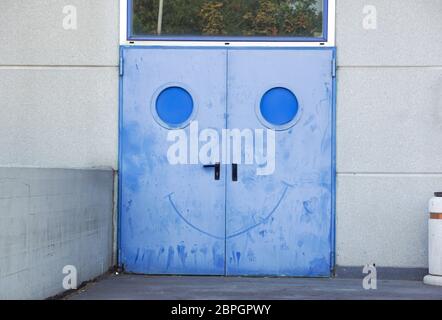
(271, 215)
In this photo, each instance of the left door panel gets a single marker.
(172, 216)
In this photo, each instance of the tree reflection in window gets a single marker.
(260, 18)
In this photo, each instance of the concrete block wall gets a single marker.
(389, 122)
(50, 218)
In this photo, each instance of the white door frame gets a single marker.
(210, 43)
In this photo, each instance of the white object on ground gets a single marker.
(435, 241)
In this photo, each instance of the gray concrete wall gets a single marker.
(50, 218)
(58, 109)
(388, 128)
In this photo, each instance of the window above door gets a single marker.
(228, 22)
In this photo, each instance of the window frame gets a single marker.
(127, 39)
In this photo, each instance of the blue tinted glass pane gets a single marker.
(174, 106)
(279, 106)
(228, 18)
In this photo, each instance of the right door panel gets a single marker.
(280, 223)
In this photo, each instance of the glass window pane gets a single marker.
(227, 19)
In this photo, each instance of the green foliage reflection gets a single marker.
(295, 18)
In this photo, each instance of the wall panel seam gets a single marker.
(388, 67)
(61, 67)
(389, 174)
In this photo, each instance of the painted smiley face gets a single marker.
(173, 107)
(241, 231)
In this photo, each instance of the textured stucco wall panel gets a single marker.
(408, 33)
(389, 120)
(43, 229)
(59, 117)
(32, 33)
(389, 115)
(383, 219)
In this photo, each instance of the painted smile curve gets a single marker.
(237, 233)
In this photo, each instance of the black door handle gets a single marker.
(234, 172)
(217, 167)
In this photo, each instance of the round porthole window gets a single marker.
(278, 109)
(174, 107)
